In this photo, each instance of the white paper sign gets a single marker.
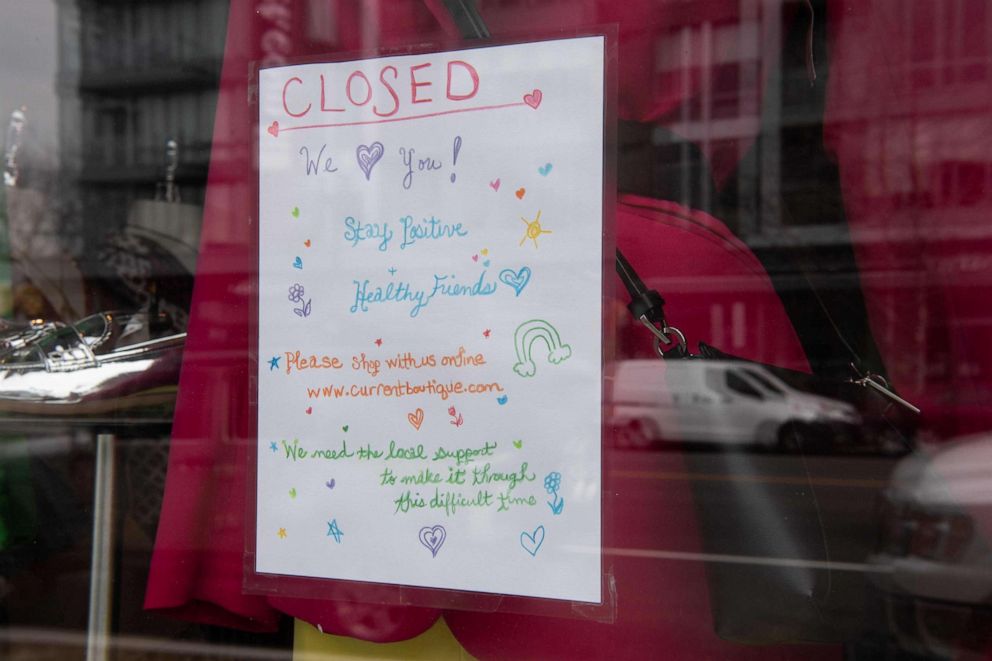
(430, 314)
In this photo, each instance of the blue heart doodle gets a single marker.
(517, 280)
(532, 541)
(298, 264)
(501, 400)
(544, 169)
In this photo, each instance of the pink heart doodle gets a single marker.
(273, 129)
(368, 156)
(494, 184)
(533, 99)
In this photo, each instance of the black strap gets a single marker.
(644, 302)
(467, 18)
(648, 307)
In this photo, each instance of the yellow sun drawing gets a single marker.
(534, 229)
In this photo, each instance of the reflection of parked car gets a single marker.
(933, 561)
(715, 401)
(101, 364)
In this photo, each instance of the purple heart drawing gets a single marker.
(368, 156)
(433, 538)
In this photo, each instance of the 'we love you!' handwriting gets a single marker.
(368, 156)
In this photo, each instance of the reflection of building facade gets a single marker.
(746, 138)
(744, 142)
(132, 76)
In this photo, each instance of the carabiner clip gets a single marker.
(665, 335)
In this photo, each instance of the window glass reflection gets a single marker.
(806, 184)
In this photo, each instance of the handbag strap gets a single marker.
(648, 307)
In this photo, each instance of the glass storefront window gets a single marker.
(796, 375)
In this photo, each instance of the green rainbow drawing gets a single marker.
(524, 338)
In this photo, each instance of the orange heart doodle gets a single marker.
(416, 418)
(520, 193)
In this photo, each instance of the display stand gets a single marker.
(101, 559)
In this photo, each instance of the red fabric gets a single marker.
(908, 120)
(196, 570)
(699, 266)
(662, 606)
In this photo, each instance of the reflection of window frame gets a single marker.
(742, 385)
(950, 63)
(723, 114)
(766, 383)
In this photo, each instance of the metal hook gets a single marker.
(878, 383)
(664, 335)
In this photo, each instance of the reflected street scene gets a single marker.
(724, 403)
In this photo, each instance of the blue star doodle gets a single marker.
(392, 271)
(334, 531)
(274, 363)
(273, 446)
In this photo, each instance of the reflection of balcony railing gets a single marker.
(186, 76)
(129, 174)
(116, 35)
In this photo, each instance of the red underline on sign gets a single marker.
(401, 119)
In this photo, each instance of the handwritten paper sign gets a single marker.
(430, 283)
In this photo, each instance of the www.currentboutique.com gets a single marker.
(402, 388)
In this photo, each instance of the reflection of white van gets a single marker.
(715, 401)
